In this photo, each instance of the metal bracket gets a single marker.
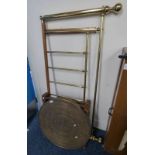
(110, 111)
(97, 139)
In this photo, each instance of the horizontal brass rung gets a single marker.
(73, 30)
(65, 52)
(67, 69)
(67, 84)
(68, 98)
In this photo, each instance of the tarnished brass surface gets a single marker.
(64, 123)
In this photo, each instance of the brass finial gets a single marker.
(115, 9)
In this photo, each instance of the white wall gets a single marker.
(114, 39)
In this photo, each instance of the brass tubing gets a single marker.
(85, 74)
(45, 53)
(97, 69)
(72, 30)
(68, 98)
(67, 69)
(67, 84)
(65, 52)
(87, 12)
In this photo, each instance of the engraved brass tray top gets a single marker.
(64, 123)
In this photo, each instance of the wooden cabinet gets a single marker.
(115, 139)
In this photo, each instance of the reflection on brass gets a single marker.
(64, 124)
(67, 69)
(87, 12)
(67, 84)
(72, 30)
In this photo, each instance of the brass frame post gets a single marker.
(98, 65)
(85, 74)
(43, 24)
(104, 10)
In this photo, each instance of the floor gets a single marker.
(37, 144)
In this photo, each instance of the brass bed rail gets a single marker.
(87, 12)
(87, 31)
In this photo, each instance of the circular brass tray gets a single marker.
(64, 124)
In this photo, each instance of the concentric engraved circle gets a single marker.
(64, 124)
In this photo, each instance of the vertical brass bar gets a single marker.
(97, 69)
(85, 74)
(45, 54)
